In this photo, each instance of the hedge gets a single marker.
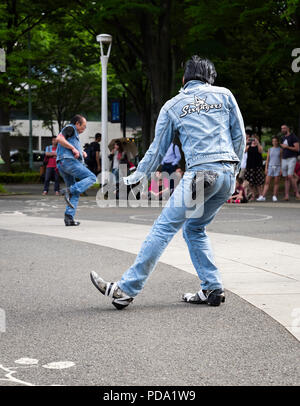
(2, 189)
(21, 177)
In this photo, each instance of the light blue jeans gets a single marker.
(72, 169)
(172, 218)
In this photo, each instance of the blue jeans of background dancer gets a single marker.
(50, 174)
(173, 218)
(72, 169)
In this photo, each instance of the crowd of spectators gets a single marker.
(256, 176)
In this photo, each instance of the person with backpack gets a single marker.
(92, 159)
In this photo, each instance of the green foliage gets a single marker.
(250, 42)
(20, 177)
(2, 189)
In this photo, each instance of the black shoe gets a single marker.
(69, 221)
(67, 195)
(210, 297)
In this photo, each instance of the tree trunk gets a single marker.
(156, 40)
(146, 130)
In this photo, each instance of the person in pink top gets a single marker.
(159, 187)
(51, 169)
(239, 195)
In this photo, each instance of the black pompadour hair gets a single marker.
(198, 68)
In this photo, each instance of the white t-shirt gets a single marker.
(116, 161)
(244, 160)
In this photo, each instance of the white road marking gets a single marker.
(142, 217)
(263, 217)
(27, 361)
(10, 378)
(13, 213)
(257, 217)
(59, 365)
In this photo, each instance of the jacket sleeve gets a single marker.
(157, 150)
(237, 130)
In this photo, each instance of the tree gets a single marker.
(145, 42)
(17, 19)
(64, 58)
(63, 84)
(250, 42)
(253, 54)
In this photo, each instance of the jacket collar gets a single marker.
(192, 85)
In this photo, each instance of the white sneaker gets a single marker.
(274, 199)
(261, 199)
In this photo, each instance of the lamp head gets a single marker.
(104, 38)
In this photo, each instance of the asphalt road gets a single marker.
(61, 331)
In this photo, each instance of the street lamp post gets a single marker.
(104, 39)
(30, 108)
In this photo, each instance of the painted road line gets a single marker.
(28, 363)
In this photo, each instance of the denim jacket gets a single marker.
(62, 152)
(209, 124)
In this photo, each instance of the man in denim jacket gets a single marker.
(70, 165)
(211, 130)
